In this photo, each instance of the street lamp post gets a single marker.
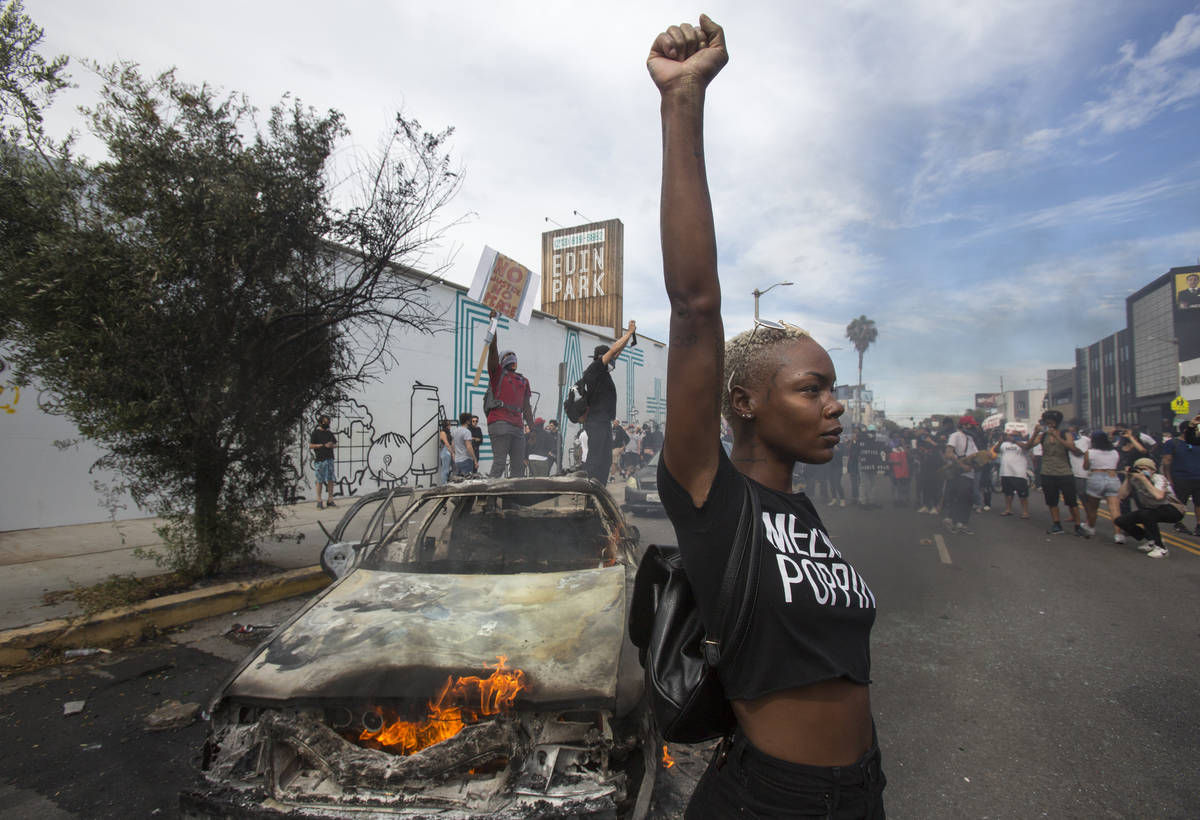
(758, 293)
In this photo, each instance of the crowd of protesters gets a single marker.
(459, 448)
(954, 470)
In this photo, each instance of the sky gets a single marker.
(987, 181)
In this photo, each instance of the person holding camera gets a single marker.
(1058, 479)
(1157, 506)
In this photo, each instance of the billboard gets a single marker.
(583, 274)
(1187, 311)
(989, 401)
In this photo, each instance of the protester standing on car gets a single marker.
(805, 742)
(321, 443)
(509, 412)
(602, 405)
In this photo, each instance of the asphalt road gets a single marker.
(1017, 675)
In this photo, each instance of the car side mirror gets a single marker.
(338, 559)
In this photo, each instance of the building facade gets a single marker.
(1163, 319)
(387, 432)
(1104, 381)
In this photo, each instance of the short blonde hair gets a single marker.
(748, 356)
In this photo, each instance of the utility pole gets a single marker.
(758, 293)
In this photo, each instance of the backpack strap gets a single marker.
(734, 606)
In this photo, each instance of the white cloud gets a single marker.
(1121, 206)
(1143, 88)
(1150, 84)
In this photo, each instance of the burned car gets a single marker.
(471, 661)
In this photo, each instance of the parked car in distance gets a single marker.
(641, 490)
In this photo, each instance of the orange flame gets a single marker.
(458, 704)
(667, 760)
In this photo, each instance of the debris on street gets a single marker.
(172, 715)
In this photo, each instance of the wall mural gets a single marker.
(656, 405)
(633, 358)
(368, 459)
(470, 326)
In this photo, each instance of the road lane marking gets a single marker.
(1169, 538)
(941, 545)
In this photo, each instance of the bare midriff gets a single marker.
(822, 724)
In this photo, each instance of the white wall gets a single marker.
(386, 432)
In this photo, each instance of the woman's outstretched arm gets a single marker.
(683, 60)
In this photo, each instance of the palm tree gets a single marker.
(861, 332)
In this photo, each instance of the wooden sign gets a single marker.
(583, 275)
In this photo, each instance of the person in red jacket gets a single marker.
(509, 412)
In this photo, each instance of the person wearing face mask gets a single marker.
(322, 443)
(1158, 506)
(602, 406)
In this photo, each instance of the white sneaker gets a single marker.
(1157, 552)
(1119, 538)
(843, 503)
(986, 508)
(1145, 546)
(832, 502)
(1089, 530)
(923, 510)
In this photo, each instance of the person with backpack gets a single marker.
(602, 405)
(507, 406)
(798, 682)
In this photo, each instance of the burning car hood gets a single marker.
(396, 635)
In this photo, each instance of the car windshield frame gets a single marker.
(502, 532)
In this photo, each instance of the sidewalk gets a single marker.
(51, 559)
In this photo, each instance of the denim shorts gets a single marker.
(1103, 485)
(325, 472)
(742, 781)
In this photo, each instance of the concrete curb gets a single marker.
(21, 644)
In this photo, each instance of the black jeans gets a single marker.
(751, 784)
(1144, 523)
(599, 457)
(960, 492)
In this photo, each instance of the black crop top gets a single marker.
(814, 612)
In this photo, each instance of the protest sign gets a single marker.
(504, 285)
(507, 287)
